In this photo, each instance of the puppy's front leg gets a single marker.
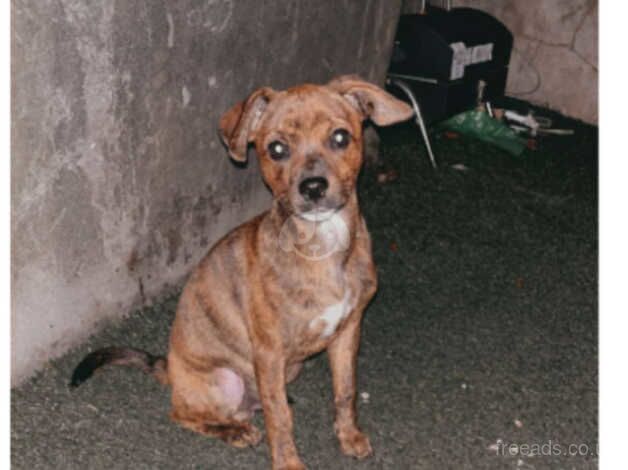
(343, 353)
(271, 382)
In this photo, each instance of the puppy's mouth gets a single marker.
(319, 208)
(320, 211)
(318, 214)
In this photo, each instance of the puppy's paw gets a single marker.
(291, 464)
(355, 444)
(243, 436)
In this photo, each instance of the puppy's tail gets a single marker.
(157, 366)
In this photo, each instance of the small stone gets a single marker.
(387, 176)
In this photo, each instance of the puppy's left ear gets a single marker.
(370, 100)
(238, 124)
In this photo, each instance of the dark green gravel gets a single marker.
(484, 328)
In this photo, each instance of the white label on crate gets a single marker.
(482, 53)
(463, 56)
(458, 61)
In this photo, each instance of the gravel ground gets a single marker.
(479, 350)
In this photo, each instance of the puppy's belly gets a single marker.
(230, 385)
(234, 394)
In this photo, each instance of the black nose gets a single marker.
(313, 188)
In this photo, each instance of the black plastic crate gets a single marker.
(443, 55)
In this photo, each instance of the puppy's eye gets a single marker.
(278, 150)
(340, 139)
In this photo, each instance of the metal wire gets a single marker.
(417, 113)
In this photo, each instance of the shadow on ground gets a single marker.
(483, 333)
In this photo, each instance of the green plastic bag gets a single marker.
(480, 125)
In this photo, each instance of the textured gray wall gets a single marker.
(119, 182)
(555, 57)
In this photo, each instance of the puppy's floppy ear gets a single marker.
(370, 100)
(238, 124)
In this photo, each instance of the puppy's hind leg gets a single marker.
(210, 404)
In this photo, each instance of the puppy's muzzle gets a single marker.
(312, 189)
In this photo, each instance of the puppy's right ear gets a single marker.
(371, 101)
(238, 124)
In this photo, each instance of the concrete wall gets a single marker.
(555, 61)
(119, 182)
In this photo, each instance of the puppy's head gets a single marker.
(309, 139)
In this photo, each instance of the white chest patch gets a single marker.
(333, 315)
(335, 232)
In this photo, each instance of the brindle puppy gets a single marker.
(291, 282)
